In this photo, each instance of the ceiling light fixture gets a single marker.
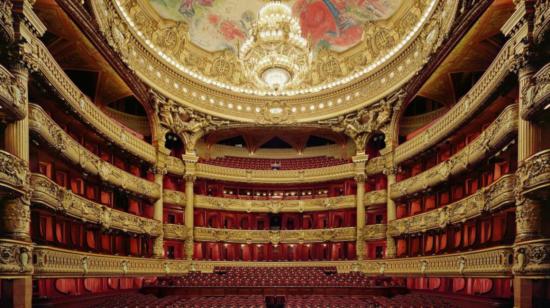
(275, 54)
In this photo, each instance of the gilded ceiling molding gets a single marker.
(374, 232)
(45, 127)
(275, 206)
(55, 197)
(361, 124)
(490, 262)
(274, 237)
(486, 200)
(57, 262)
(165, 77)
(466, 108)
(339, 172)
(54, 76)
(185, 122)
(533, 175)
(14, 173)
(489, 141)
(536, 95)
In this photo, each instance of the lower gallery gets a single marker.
(274, 153)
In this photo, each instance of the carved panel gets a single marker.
(173, 197)
(374, 232)
(12, 92)
(534, 174)
(376, 197)
(14, 172)
(15, 257)
(536, 94)
(532, 258)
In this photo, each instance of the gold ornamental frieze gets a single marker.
(485, 200)
(12, 94)
(376, 197)
(490, 262)
(15, 258)
(532, 258)
(374, 232)
(125, 22)
(494, 136)
(533, 175)
(542, 21)
(275, 206)
(536, 95)
(14, 172)
(177, 232)
(48, 68)
(43, 125)
(174, 197)
(339, 172)
(57, 262)
(55, 197)
(466, 108)
(274, 236)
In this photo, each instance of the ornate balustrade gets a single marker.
(274, 237)
(44, 63)
(274, 206)
(488, 141)
(12, 95)
(53, 196)
(534, 174)
(374, 232)
(537, 94)
(375, 165)
(345, 171)
(43, 125)
(56, 262)
(173, 197)
(175, 165)
(14, 172)
(486, 200)
(176, 232)
(376, 197)
(466, 108)
(492, 262)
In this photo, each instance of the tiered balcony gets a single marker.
(275, 164)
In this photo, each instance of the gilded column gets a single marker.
(360, 177)
(528, 210)
(158, 246)
(190, 165)
(15, 213)
(390, 213)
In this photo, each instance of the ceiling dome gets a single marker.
(360, 51)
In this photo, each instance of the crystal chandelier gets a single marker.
(275, 55)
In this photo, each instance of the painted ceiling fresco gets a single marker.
(222, 24)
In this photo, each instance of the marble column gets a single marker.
(189, 215)
(158, 246)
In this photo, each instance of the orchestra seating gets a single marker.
(280, 164)
(274, 277)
